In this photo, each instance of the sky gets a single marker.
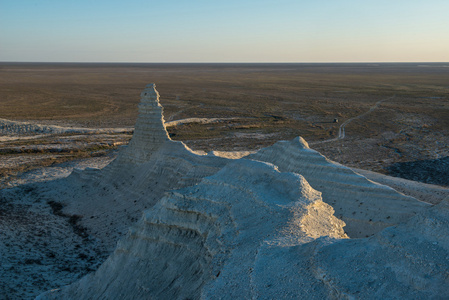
(224, 31)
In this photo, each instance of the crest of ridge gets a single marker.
(150, 132)
(229, 228)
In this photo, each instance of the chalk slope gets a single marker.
(253, 227)
(111, 199)
(365, 206)
(215, 238)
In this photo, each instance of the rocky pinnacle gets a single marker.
(150, 132)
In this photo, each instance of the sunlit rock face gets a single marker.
(214, 238)
(149, 133)
(365, 206)
(112, 199)
(267, 226)
(408, 261)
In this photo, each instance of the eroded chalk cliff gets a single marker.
(365, 206)
(213, 238)
(258, 227)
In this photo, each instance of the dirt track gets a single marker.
(258, 104)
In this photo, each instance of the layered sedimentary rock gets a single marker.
(16, 128)
(94, 208)
(408, 261)
(149, 133)
(250, 231)
(108, 201)
(249, 228)
(365, 206)
(214, 239)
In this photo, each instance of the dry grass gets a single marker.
(285, 99)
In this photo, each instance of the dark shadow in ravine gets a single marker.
(434, 171)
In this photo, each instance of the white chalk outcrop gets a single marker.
(408, 261)
(216, 238)
(365, 206)
(10, 128)
(149, 133)
(111, 199)
(253, 227)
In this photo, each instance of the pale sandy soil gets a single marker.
(40, 247)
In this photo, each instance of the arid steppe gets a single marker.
(398, 113)
(59, 230)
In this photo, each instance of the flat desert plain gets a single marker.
(375, 118)
(388, 118)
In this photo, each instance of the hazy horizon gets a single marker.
(264, 31)
(223, 63)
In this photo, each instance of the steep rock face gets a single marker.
(250, 231)
(214, 227)
(408, 261)
(365, 206)
(216, 238)
(86, 213)
(108, 201)
(149, 133)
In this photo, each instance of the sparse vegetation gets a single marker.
(270, 101)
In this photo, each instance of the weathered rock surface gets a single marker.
(111, 199)
(250, 231)
(14, 128)
(365, 206)
(408, 261)
(95, 208)
(149, 133)
(215, 238)
(204, 226)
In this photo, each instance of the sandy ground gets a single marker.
(40, 247)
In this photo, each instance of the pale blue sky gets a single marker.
(224, 31)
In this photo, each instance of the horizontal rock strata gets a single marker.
(214, 239)
(365, 206)
(149, 133)
(15, 128)
(408, 261)
(111, 199)
(207, 227)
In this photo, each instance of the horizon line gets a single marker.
(317, 62)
